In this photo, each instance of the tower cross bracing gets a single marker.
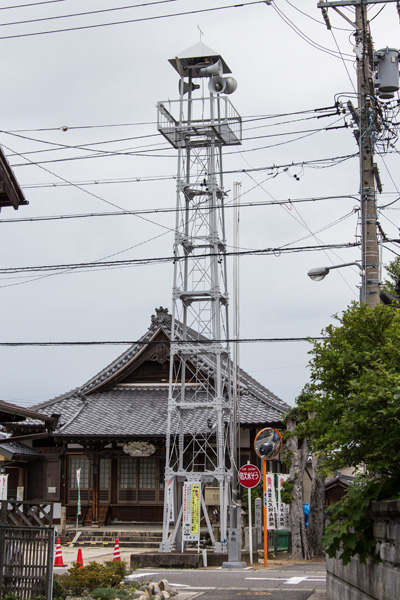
(200, 442)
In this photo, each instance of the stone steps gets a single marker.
(101, 537)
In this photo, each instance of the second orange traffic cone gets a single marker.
(58, 562)
(117, 555)
(79, 559)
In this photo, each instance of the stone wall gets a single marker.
(372, 580)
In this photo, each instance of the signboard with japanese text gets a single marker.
(270, 501)
(258, 520)
(249, 476)
(191, 511)
(3, 487)
(170, 495)
(283, 509)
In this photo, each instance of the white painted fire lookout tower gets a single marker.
(201, 426)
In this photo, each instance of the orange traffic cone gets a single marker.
(58, 562)
(117, 555)
(79, 559)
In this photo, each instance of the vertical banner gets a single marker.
(191, 512)
(258, 521)
(3, 487)
(283, 509)
(170, 500)
(270, 501)
(78, 479)
(195, 522)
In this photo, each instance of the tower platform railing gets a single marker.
(198, 129)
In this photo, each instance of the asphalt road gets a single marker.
(294, 582)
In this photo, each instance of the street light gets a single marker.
(319, 273)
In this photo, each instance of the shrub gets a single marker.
(86, 579)
(109, 593)
(58, 591)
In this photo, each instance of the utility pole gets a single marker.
(365, 119)
(366, 109)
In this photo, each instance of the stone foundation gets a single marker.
(372, 580)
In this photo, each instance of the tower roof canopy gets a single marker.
(196, 57)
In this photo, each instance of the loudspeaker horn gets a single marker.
(187, 86)
(222, 85)
(215, 69)
(231, 85)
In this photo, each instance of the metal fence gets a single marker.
(279, 540)
(26, 551)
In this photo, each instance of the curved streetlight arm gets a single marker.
(350, 264)
(319, 273)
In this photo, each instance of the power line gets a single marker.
(322, 163)
(30, 4)
(304, 37)
(57, 146)
(166, 259)
(286, 202)
(151, 153)
(245, 119)
(81, 14)
(147, 342)
(153, 18)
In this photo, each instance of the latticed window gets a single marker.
(104, 473)
(127, 473)
(147, 474)
(75, 463)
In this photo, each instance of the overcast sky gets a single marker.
(103, 83)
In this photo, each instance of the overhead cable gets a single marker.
(178, 342)
(166, 259)
(142, 19)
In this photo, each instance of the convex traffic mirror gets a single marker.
(268, 443)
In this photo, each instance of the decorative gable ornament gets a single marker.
(139, 448)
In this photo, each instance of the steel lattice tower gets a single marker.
(200, 438)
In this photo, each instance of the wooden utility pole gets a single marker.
(365, 118)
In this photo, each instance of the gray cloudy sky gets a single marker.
(92, 80)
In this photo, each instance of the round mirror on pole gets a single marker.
(268, 443)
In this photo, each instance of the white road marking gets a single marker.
(290, 581)
(192, 587)
(138, 575)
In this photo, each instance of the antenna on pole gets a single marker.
(199, 428)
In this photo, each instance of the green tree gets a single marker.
(354, 412)
(393, 272)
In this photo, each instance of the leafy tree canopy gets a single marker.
(393, 271)
(354, 395)
(351, 413)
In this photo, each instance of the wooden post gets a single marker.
(96, 488)
(63, 520)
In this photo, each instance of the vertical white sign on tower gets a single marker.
(191, 511)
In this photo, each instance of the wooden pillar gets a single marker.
(96, 488)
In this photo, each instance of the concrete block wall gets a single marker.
(372, 580)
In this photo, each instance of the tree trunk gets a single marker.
(316, 522)
(298, 461)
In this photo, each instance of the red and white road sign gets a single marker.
(249, 476)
